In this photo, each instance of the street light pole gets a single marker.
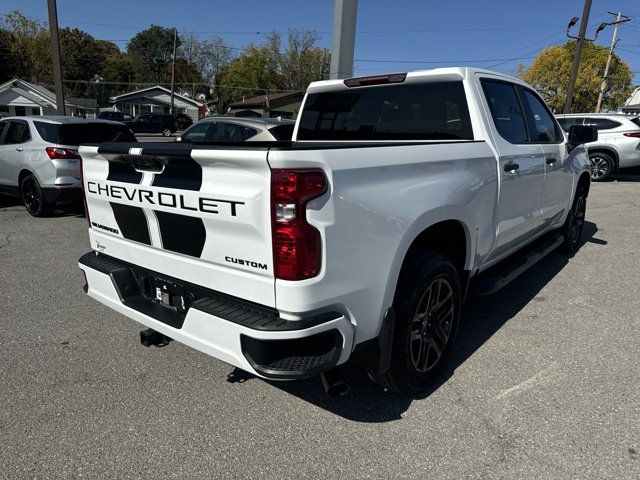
(55, 55)
(576, 58)
(614, 40)
(173, 69)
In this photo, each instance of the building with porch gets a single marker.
(158, 100)
(285, 105)
(21, 98)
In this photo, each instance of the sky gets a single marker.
(392, 35)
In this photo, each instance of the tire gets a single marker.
(429, 285)
(602, 166)
(33, 197)
(166, 132)
(574, 224)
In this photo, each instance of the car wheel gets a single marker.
(427, 306)
(601, 165)
(166, 132)
(574, 224)
(32, 197)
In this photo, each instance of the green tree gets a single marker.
(301, 61)
(549, 75)
(27, 44)
(152, 50)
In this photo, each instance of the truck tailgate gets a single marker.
(201, 215)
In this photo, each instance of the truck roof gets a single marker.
(446, 73)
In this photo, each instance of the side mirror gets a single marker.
(579, 134)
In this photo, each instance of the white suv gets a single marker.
(618, 144)
(39, 161)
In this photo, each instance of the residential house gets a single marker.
(158, 100)
(285, 105)
(20, 98)
(632, 106)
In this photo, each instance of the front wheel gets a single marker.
(33, 197)
(574, 225)
(427, 305)
(602, 166)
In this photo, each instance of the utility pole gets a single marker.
(576, 58)
(55, 54)
(344, 38)
(173, 69)
(614, 40)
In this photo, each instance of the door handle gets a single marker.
(551, 160)
(511, 167)
(19, 149)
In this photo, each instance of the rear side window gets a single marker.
(230, 132)
(602, 123)
(506, 111)
(282, 133)
(17, 132)
(79, 133)
(425, 111)
(634, 120)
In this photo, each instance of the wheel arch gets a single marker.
(612, 152)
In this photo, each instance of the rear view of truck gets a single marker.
(189, 241)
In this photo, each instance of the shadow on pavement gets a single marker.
(481, 318)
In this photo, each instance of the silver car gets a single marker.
(238, 129)
(39, 161)
(618, 144)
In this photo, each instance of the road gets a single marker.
(544, 382)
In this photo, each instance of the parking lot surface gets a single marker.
(544, 382)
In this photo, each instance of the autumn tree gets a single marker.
(26, 42)
(152, 50)
(549, 75)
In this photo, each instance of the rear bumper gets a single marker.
(62, 195)
(248, 336)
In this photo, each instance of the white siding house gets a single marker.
(20, 98)
(157, 100)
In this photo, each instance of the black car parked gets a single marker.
(115, 116)
(153, 123)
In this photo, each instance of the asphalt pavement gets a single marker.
(544, 382)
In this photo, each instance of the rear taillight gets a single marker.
(297, 250)
(57, 153)
(632, 134)
(84, 194)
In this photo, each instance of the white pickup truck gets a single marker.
(359, 239)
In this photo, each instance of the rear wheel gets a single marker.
(32, 196)
(166, 132)
(427, 305)
(574, 225)
(602, 166)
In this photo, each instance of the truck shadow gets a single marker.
(482, 317)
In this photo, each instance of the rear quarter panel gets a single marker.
(380, 199)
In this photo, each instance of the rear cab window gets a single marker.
(506, 110)
(414, 111)
(79, 133)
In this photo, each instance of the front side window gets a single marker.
(197, 133)
(568, 122)
(506, 111)
(414, 111)
(18, 132)
(540, 121)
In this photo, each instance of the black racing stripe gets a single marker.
(132, 222)
(123, 172)
(181, 234)
(181, 173)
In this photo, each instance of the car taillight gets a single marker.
(632, 134)
(57, 153)
(297, 251)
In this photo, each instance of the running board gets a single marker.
(501, 274)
